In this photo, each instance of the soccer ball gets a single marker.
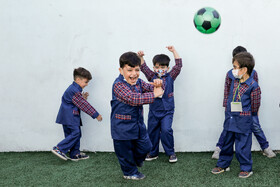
(207, 20)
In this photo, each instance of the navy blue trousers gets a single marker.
(71, 142)
(132, 153)
(257, 130)
(160, 128)
(243, 144)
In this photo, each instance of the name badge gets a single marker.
(236, 106)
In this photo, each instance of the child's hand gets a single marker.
(158, 91)
(85, 95)
(141, 54)
(99, 118)
(171, 48)
(157, 83)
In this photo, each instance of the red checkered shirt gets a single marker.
(175, 71)
(83, 105)
(131, 95)
(228, 84)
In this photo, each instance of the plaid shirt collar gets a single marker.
(77, 86)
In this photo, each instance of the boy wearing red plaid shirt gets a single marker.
(162, 110)
(129, 134)
(242, 105)
(73, 101)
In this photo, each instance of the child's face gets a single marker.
(130, 74)
(83, 82)
(158, 68)
(241, 71)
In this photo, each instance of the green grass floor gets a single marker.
(102, 169)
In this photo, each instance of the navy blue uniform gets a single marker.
(72, 103)
(257, 130)
(238, 125)
(131, 141)
(162, 110)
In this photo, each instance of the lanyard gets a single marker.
(236, 91)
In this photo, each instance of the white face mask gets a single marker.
(235, 74)
(160, 72)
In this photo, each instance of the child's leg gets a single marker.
(166, 134)
(154, 133)
(243, 144)
(76, 147)
(226, 154)
(259, 134)
(221, 139)
(73, 135)
(124, 152)
(141, 148)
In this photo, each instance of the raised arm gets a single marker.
(144, 68)
(175, 71)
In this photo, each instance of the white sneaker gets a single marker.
(216, 153)
(269, 153)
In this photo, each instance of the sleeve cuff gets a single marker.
(95, 115)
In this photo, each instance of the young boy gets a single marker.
(129, 134)
(162, 110)
(69, 116)
(243, 103)
(257, 130)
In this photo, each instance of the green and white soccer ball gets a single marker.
(207, 20)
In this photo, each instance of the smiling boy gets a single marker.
(129, 134)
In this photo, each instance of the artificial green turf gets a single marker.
(102, 169)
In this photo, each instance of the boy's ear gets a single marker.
(121, 71)
(246, 69)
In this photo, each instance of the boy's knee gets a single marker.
(76, 134)
(167, 131)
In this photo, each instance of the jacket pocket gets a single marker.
(245, 113)
(123, 117)
(76, 113)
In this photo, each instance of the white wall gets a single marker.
(41, 42)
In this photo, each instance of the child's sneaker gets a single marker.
(245, 174)
(58, 153)
(216, 153)
(269, 153)
(150, 158)
(81, 156)
(173, 159)
(218, 170)
(137, 176)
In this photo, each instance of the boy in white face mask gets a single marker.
(242, 105)
(162, 110)
(257, 130)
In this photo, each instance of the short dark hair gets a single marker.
(245, 59)
(238, 49)
(161, 59)
(82, 73)
(129, 58)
